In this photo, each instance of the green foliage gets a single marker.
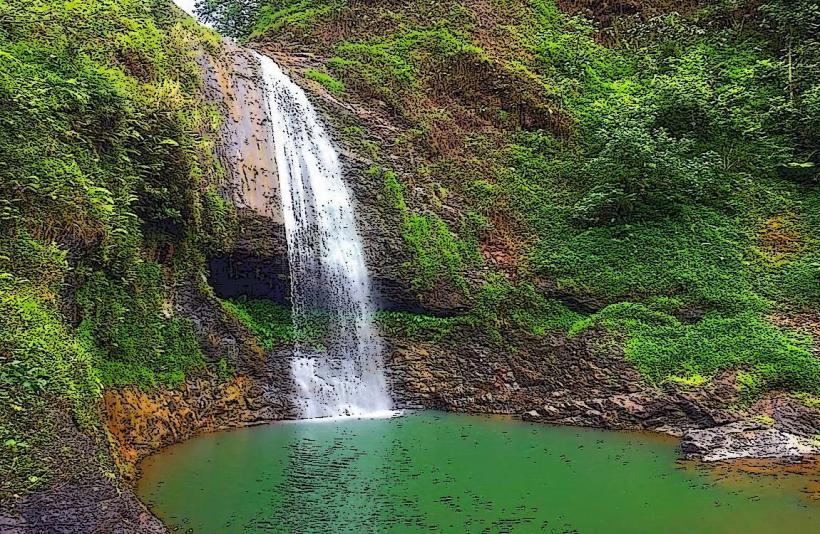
(219, 222)
(691, 381)
(40, 355)
(502, 306)
(639, 172)
(390, 67)
(102, 149)
(663, 347)
(106, 160)
(698, 255)
(439, 255)
(138, 339)
(233, 18)
(104, 130)
(270, 322)
(794, 276)
(395, 191)
(418, 326)
(273, 324)
(329, 82)
(291, 13)
(41, 361)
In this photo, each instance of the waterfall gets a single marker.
(329, 279)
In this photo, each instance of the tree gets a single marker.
(234, 18)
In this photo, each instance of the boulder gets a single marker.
(745, 439)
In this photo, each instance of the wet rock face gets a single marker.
(562, 381)
(257, 264)
(140, 423)
(744, 439)
(239, 275)
(232, 81)
(550, 379)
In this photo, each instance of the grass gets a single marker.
(138, 339)
(418, 327)
(326, 80)
(440, 257)
(273, 323)
(663, 348)
(270, 322)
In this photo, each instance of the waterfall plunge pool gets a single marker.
(443, 472)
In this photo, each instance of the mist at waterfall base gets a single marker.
(326, 257)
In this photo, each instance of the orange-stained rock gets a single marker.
(139, 422)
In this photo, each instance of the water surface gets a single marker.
(430, 471)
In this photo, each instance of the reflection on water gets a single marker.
(326, 469)
(455, 473)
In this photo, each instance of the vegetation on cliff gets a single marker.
(107, 186)
(644, 168)
(652, 164)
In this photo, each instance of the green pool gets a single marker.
(438, 472)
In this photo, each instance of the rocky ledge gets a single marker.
(747, 439)
(557, 380)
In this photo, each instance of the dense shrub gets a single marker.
(639, 172)
(663, 347)
(138, 337)
(106, 162)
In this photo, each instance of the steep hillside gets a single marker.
(649, 172)
(594, 213)
(112, 196)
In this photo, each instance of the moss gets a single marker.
(764, 420)
(438, 252)
(270, 322)
(326, 80)
(138, 340)
(273, 324)
(662, 347)
(395, 191)
(439, 255)
(502, 306)
(691, 381)
(41, 362)
(418, 326)
(809, 400)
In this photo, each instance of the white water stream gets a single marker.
(329, 278)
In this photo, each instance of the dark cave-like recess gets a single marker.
(235, 276)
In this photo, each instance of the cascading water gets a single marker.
(329, 279)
